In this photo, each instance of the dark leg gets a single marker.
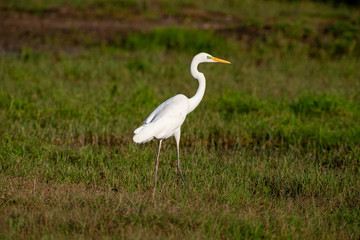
(177, 138)
(156, 167)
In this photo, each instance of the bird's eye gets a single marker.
(208, 57)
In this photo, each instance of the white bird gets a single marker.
(166, 120)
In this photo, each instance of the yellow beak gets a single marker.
(220, 60)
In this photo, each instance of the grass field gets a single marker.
(272, 151)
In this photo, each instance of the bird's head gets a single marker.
(205, 57)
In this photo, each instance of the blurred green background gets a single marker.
(272, 151)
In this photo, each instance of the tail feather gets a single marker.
(143, 134)
(138, 129)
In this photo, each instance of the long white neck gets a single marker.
(196, 99)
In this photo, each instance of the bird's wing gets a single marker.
(165, 107)
(164, 120)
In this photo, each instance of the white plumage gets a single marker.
(166, 120)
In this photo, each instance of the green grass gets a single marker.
(175, 38)
(272, 151)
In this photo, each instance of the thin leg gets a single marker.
(178, 166)
(177, 138)
(156, 167)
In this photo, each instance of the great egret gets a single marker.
(166, 120)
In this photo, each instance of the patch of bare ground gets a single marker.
(74, 27)
(79, 209)
(32, 208)
(68, 29)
